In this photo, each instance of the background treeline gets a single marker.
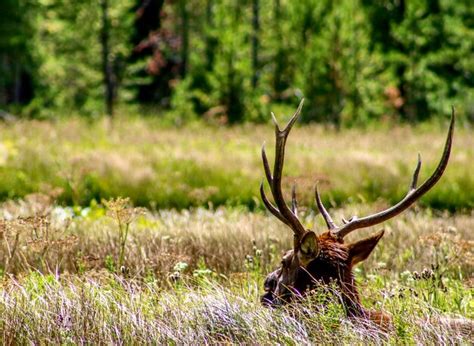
(233, 60)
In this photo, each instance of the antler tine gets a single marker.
(282, 212)
(414, 180)
(344, 220)
(271, 207)
(413, 194)
(294, 202)
(331, 225)
(291, 122)
(266, 167)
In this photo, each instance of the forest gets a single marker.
(230, 61)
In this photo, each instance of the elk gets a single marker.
(325, 258)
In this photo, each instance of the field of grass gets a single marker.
(195, 276)
(200, 165)
(76, 268)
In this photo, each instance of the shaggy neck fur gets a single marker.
(334, 265)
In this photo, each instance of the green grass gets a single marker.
(163, 167)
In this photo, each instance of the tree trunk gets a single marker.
(279, 56)
(210, 39)
(255, 41)
(3, 87)
(184, 37)
(16, 83)
(106, 63)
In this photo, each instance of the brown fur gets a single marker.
(333, 263)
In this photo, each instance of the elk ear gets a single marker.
(359, 251)
(309, 247)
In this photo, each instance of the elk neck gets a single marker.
(333, 266)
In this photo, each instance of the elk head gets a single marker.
(321, 259)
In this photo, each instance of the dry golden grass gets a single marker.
(48, 238)
(195, 276)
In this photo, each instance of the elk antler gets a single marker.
(331, 225)
(412, 195)
(281, 211)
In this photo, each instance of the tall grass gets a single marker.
(195, 276)
(200, 165)
(40, 236)
(43, 310)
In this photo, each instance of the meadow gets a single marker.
(166, 167)
(79, 265)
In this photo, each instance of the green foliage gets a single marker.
(340, 76)
(427, 45)
(67, 43)
(223, 64)
(18, 58)
(182, 103)
(354, 61)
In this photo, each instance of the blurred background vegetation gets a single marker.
(231, 61)
(154, 66)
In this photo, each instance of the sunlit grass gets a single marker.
(195, 276)
(42, 309)
(42, 236)
(201, 165)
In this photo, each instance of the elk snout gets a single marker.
(269, 298)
